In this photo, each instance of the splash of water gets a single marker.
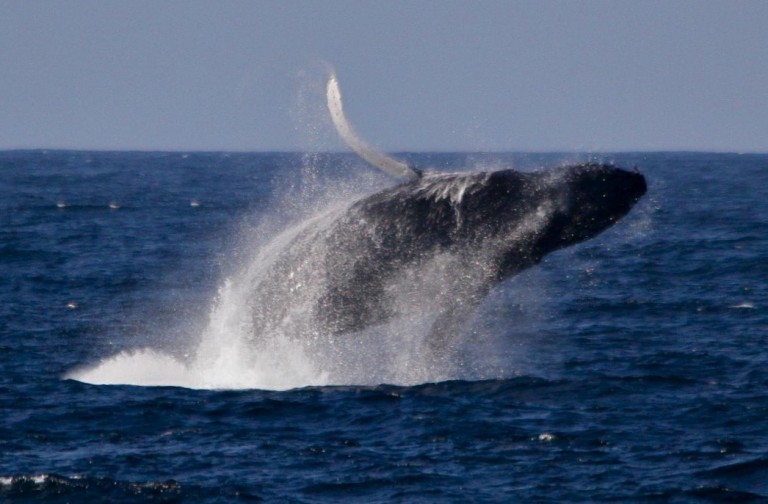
(228, 355)
(235, 352)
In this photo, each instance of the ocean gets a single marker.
(629, 368)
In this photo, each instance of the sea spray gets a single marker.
(232, 353)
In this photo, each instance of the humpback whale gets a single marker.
(434, 244)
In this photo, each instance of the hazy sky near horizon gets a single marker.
(416, 75)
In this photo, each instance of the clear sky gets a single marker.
(416, 75)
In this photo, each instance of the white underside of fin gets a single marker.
(390, 165)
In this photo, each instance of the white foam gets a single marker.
(226, 358)
(280, 370)
(140, 367)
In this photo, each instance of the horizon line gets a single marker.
(393, 152)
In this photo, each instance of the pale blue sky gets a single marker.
(416, 75)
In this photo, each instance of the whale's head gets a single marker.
(529, 215)
(506, 219)
(591, 198)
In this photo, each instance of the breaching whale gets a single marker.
(435, 244)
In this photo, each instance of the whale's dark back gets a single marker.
(484, 227)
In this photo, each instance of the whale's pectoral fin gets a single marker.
(390, 165)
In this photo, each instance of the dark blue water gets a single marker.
(629, 368)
